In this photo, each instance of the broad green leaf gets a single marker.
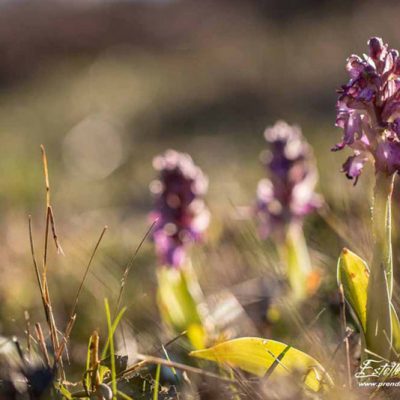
(263, 357)
(353, 274)
(378, 333)
(178, 306)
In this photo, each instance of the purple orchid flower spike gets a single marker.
(288, 193)
(180, 210)
(368, 111)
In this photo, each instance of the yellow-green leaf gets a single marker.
(65, 392)
(263, 357)
(353, 274)
(178, 305)
(395, 330)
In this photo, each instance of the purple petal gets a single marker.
(353, 166)
(351, 123)
(377, 49)
(355, 65)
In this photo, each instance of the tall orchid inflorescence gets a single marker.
(285, 198)
(180, 210)
(287, 195)
(368, 110)
(181, 218)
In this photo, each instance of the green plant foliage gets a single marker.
(65, 392)
(353, 274)
(297, 259)
(111, 344)
(263, 357)
(395, 330)
(178, 306)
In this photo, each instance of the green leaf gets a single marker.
(111, 345)
(114, 327)
(264, 357)
(124, 396)
(65, 392)
(353, 274)
(178, 305)
(103, 371)
(395, 330)
(88, 360)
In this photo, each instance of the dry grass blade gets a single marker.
(146, 360)
(50, 220)
(36, 268)
(46, 294)
(130, 265)
(171, 341)
(87, 270)
(65, 337)
(46, 174)
(28, 332)
(54, 231)
(72, 317)
(45, 299)
(42, 342)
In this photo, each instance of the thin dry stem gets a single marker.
(54, 231)
(28, 332)
(72, 317)
(146, 360)
(50, 222)
(42, 343)
(130, 265)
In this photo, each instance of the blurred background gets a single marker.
(107, 85)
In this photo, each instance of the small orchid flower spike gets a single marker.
(287, 195)
(180, 211)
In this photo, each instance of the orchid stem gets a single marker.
(382, 226)
(295, 255)
(378, 334)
